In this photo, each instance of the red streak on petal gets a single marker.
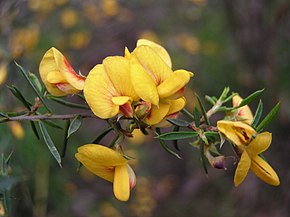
(71, 70)
(127, 110)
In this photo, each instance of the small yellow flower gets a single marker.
(244, 113)
(250, 159)
(109, 165)
(17, 129)
(3, 73)
(58, 75)
(108, 89)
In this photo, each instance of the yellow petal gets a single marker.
(244, 113)
(264, 171)
(55, 77)
(66, 88)
(121, 183)
(67, 71)
(99, 92)
(121, 100)
(152, 63)
(239, 133)
(118, 70)
(132, 177)
(176, 105)
(158, 49)
(157, 113)
(3, 72)
(143, 83)
(259, 144)
(174, 83)
(242, 169)
(127, 53)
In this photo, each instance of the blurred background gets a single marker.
(241, 44)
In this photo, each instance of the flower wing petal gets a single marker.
(174, 83)
(99, 92)
(161, 51)
(176, 105)
(121, 185)
(242, 169)
(260, 143)
(264, 171)
(157, 113)
(244, 112)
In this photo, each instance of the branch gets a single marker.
(46, 117)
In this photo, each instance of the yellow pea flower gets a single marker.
(58, 75)
(151, 73)
(244, 113)
(108, 89)
(236, 131)
(251, 160)
(109, 165)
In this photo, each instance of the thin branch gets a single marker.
(46, 117)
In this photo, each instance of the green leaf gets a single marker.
(48, 141)
(33, 86)
(33, 127)
(66, 103)
(258, 114)
(177, 135)
(203, 110)
(210, 100)
(196, 116)
(203, 158)
(65, 139)
(175, 142)
(178, 122)
(75, 125)
(250, 98)
(268, 118)
(101, 135)
(187, 113)
(19, 96)
(4, 115)
(52, 124)
(35, 81)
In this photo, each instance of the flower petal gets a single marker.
(157, 114)
(132, 177)
(55, 77)
(121, 183)
(242, 169)
(244, 113)
(174, 83)
(158, 49)
(143, 83)
(67, 71)
(264, 171)
(239, 133)
(176, 105)
(118, 70)
(99, 92)
(66, 88)
(259, 144)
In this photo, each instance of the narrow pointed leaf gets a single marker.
(177, 135)
(102, 135)
(187, 113)
(203, 158)
(210, 100)
(178, 122)
(196, 116)
(250, 98)
(65, 139)
(19, 96)
(35, 81)
(4, 115)
(34, 130)
(48, 141)
(203, 110)
(258, 114)
(25, 74)
(268, 118)
(75, 125)
(69, 104)
(175, 142)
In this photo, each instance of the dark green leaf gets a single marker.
(75, 125)
(4, 115)
(175, 142)
(65, 139)
(66, 103)
(178, 122)
(19, 96)
(22, 70)
(48, 141)
(250, 98)
(187, 113)
(177, 135)
(203, 110)
(33, 127)
(268, 118)
(196, 116)
(102, 135)
(35, 81)
(203, 158)
(258, 114)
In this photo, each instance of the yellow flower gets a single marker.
(58, 75)
(108, 89)
(151, 73)
(109, 165)
(244, 113)
(238, 132)
(251, 160)
(3, 72)
(243, 136)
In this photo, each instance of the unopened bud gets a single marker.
(216, 162)
(143, 109)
